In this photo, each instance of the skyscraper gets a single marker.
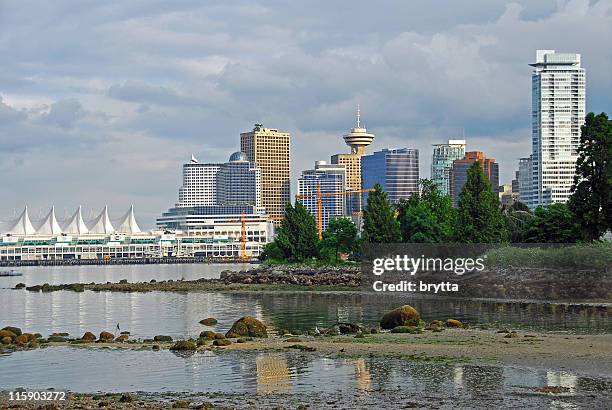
(358, 139)
(199, 184)
(525, 180)
(269, 149)
(396, 170)
(461, 166)
(558, 112)
(442, 162)
(328, 178)
(239, 182)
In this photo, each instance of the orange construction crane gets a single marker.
(243, 240)
(319, 195)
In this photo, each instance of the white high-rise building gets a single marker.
(199, 184)
(558, 112)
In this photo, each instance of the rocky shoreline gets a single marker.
(495, 283)
(261, 277)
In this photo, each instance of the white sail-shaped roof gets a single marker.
(49, 226)
(75, 224)
(102, 224)
(128, 223)
(23, 225)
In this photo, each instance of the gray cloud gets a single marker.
(124, 92)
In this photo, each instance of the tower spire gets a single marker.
(358, 116)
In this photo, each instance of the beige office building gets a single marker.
(269, 149)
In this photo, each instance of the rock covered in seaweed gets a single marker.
(402, 316)
(247, 326)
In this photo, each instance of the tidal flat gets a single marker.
(449, 368)
(503, 353)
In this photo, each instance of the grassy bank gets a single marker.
(596, 256)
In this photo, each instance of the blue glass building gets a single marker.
(396, 170)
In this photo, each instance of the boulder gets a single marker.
(6, 340)
(7, 333)
(155, 347)
(402, 316)
(15, 330)
(162, 338)
(247, 326)
(210, 321)
(21, 340)
(106, 337)
(222, 342)
(181, 404)
(20, 286)
(207, 334)
(453, 323)
(184, 345)
(30, 337)
(346, 328)
(219, 336)
(121, 338)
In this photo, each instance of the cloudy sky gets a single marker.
(101, 102)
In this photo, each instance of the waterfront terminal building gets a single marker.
(105, 239)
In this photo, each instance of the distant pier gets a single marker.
(124, 261)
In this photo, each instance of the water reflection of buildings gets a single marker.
(273, 374)
(562, 379)
(362, 375)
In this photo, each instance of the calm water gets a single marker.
(57, 275)
(177, 314)
(116, 370)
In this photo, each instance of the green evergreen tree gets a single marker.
(517, 217)
(552, 224)
(339, 237)
(426, 217)
(591, 199)
(271, 252)
(297, 235)
(379, 222)
(479, 219)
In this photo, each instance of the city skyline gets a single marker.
(126, 121)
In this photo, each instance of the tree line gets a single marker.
(429, 217)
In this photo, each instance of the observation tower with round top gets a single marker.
(358, 139)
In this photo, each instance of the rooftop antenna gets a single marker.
(358, 116)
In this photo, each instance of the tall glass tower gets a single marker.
(442, 162)
(396, 170)
(558, 112)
